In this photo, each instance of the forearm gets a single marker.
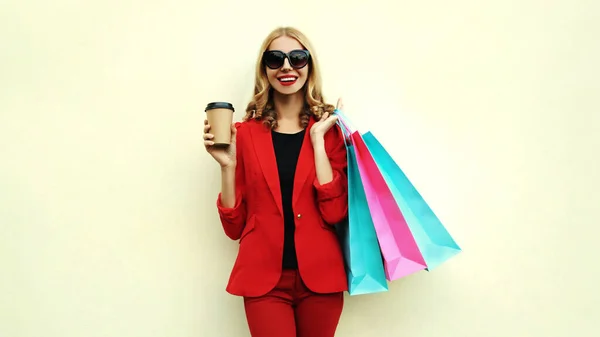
(322, 164)
(228, 186)
(331, 193)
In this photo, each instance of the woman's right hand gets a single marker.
(225, 156)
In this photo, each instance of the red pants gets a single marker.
(292, 310)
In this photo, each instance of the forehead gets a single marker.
(285, 44)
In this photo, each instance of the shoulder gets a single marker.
(244, 126)
(250, 123)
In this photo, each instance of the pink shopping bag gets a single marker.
(401, 254)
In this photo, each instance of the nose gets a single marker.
(286, 65)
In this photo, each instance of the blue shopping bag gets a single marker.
(362, 255)
(434, 241)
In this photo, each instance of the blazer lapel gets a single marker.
(305, 165)
(263, 147)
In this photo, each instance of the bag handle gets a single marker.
(344, 124)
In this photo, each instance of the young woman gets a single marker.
(283, 188)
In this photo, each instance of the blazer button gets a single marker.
(299, 216)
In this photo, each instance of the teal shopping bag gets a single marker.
(434, 241)
(362, 255)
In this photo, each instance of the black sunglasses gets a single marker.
(275, 59)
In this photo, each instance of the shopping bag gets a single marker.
(364, 264)
(434, 241)
(400, 252)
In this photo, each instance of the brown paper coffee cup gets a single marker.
(220, 117)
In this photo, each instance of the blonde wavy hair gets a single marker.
(261, 106)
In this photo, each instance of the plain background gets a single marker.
(108, 224)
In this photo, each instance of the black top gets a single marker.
(287, 150)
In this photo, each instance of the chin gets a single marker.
(285, 90)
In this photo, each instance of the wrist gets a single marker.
(228, 167)
(318, 141)
(319, 149)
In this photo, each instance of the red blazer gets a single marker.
(257, 217)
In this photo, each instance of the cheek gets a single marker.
(271, 75)
(304, 74)
(304, 71)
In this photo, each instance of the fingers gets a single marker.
(328, 119)
(233, 134)
(208, 138)
(331, 120)
(340, 104)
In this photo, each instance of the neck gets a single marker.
(288, 107)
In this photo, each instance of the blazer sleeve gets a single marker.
(332, 197)
(233, 219)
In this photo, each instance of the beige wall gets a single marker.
(108, 224)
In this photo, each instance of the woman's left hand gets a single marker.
(320, 128)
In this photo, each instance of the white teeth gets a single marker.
(287, 79)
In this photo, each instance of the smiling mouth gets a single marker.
(287, 80)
